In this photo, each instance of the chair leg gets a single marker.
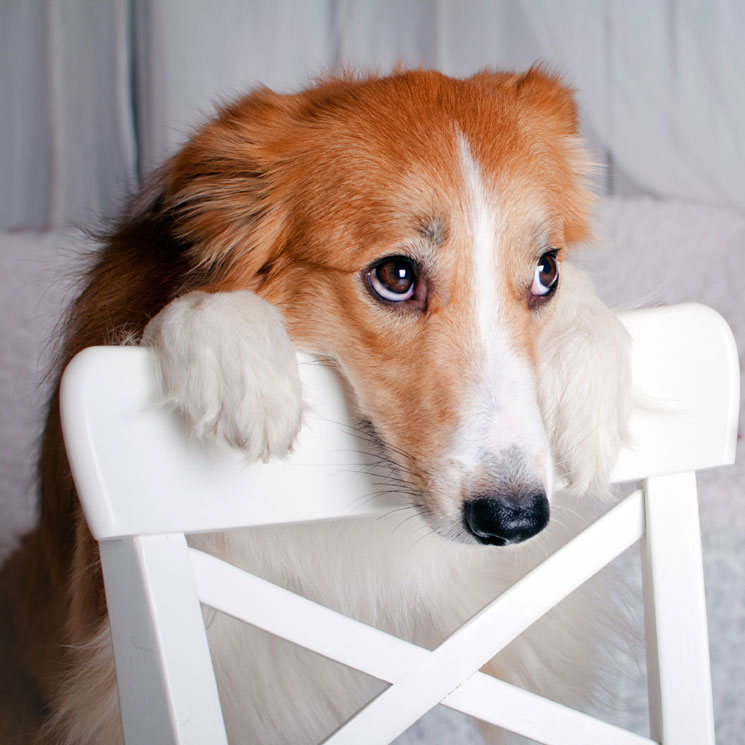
(678, 671)
(167, 689)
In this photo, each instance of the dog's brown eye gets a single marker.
(393, 279)
(546, 275)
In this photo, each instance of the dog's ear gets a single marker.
(221, 191)
(550, 97)
(544, 108)
(541, 91)
(584, 384)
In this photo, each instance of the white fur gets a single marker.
(221, 355)
(584, 384)
(228, 365)
(483, 224)
(502, 413)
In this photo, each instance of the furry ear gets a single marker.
(221, 187)
(550, 97)
(545, 107)
(540, 90)
(584, 384)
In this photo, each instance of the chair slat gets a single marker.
(271, 608)
(490, 630)
(333, 635)
(113, 418)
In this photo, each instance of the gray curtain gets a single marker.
(94, 94)
(67, 139)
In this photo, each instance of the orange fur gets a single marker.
(292, 197)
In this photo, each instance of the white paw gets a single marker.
(585, 384)
(229, 366)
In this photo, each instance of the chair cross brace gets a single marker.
(421, 679)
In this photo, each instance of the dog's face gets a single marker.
(411, 229)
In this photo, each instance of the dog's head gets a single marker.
(412, 229)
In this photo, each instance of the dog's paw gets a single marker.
(229, 366)
(585, 384)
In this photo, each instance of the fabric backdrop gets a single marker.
(93, 95)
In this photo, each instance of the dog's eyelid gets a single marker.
(400, 252)
(547, 248)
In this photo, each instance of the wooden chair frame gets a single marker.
(145, 484)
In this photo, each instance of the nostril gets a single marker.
(497, 521)
(482, 521)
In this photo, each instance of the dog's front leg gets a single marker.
(584, 384)
(229, 366)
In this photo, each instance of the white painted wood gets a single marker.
(167, 689)
(532, 716)
(333, 635)
(681, 709)
(683, 357)
(650, 640)
(112, 418)
(139, 475)
(490, 630)
(685, 366)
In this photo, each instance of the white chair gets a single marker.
(144, 484)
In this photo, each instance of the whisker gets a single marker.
(395, 510)
(405, 520)
(429, 532)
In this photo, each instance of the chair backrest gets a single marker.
(144, 482)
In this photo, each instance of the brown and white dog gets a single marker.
(415, 231)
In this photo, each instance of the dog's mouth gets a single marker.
(503, 511)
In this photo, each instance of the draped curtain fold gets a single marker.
(67, 141)
(93, 95)
(662, 85)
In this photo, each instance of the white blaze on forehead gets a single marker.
(502, 413)
(483, 228)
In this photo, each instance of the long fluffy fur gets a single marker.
(232, 231)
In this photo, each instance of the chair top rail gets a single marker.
(686, 377)
(139, 471)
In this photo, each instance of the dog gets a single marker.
(415, 231)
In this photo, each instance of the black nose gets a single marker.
(498, 521)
